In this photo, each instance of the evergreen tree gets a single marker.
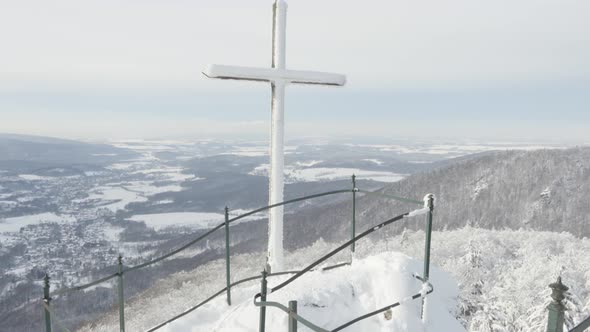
(536, 317)
(574, 309)
(490, 317)
(472, 281)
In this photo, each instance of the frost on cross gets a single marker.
(279, 77)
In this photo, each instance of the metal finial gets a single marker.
(429, 201)
(557, 290)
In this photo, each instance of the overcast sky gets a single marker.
(500, 69)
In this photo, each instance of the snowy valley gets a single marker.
(72, 217)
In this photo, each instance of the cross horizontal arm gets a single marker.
(273, 74)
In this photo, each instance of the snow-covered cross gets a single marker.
(278, 76)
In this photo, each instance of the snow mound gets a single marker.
(332, 298)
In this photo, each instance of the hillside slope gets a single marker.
(509, 269)
(540, 190)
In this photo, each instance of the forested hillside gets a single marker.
(540, 190)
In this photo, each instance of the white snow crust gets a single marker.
(331, 298)
(196, 220)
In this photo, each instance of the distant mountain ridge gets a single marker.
(26, 152)
(540, 190)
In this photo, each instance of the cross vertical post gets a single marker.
(353, 230)
(279, 77)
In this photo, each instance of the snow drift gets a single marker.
(332, 298)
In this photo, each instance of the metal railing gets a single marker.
(49, 296)
(291, 310)
(556, 310)
(583, 326)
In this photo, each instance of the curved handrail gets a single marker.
(300, 272)
(422, 293)
(216, 228)
(84, 286)
(235, 283)
(325, 257)
(585, 324)
(337, 250)
(268, 207)
(291, 201)
(122, 270)
(199, 238)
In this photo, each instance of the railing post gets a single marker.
(121, 297)
(556, 308)
(227, 262)
(429, 203)
(263, 299)
(46, 299)
(292, 320)
(353, 228)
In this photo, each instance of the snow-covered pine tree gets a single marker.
(472, 279)
(536, 317)
(404, 238)
(574, 308)
(490, 317)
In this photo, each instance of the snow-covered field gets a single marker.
(196, 220)
(33, 177)
(116, 196)
(13, 225)
(293, 174)
(120, 197)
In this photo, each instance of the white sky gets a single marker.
(143, 48)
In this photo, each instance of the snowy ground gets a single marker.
(331, 298)
(512, 269)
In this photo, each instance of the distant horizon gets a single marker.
(487, 71)
(355, 140)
